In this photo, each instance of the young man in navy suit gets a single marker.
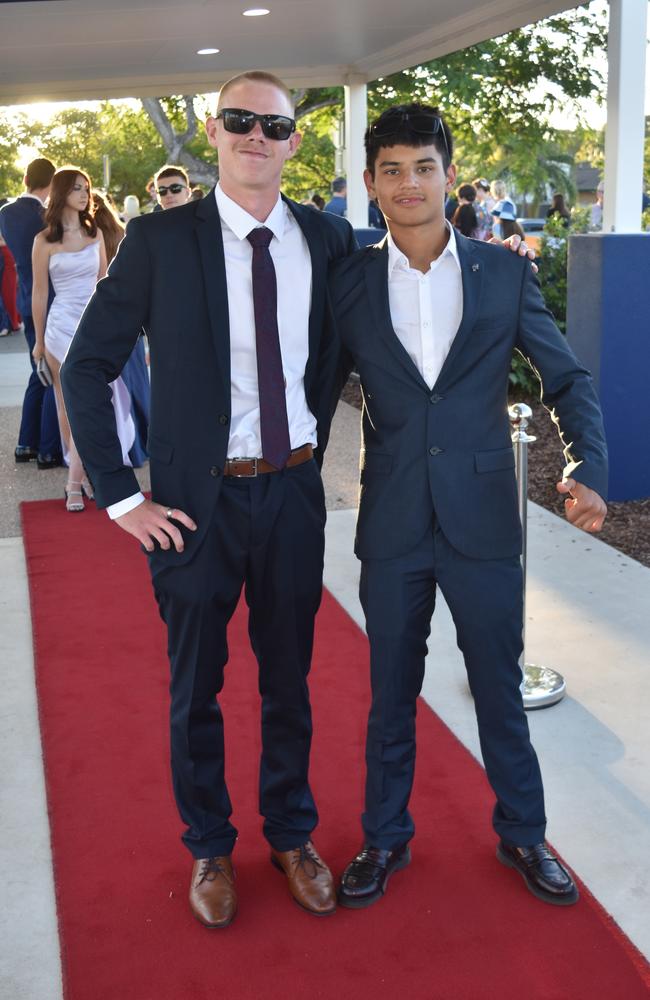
(231, 290)
(20, 221)
(430, 319)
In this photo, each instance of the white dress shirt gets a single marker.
(426, 309)
(292, 262)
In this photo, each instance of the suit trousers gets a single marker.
(267, 535)
(39, 425)
(485, 598)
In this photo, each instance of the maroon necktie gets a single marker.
(274, 425)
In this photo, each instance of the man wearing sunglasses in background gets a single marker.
(430, 320)
(172, 187)
(231, 291)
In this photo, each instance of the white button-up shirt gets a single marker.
(426, 309)
(292, 262)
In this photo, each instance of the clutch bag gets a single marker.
(43, 372)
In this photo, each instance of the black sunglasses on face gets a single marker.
(175, 188)
(242, 122)
(417, 121)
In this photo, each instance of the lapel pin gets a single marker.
(475, 267)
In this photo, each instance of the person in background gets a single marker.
(135, 373)
(20, 221)
(9, 291)
(152, 205)
(596, 221)
(319, 202)
(464, 218)
(338, 203)
(69, 253)
(131, 208)
(172, 186)
(482, 206)
(498, 191)
(558, 207)
(197, 193)
(506, 223)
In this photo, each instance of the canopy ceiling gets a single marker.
(87, 49)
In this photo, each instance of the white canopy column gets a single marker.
(624, 133)
(356, 121)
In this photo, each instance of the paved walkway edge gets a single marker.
(30, 966)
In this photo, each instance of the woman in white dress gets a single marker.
(70, 252)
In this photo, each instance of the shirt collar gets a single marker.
(241, 222)
(28, 194)
(397, 259)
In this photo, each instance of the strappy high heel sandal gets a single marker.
(87, 488)
(71, 503)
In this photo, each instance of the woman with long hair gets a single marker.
(70, 252)
(135, 373)
(559, 207)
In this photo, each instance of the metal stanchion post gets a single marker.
(540, 686)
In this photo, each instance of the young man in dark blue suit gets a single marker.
(20, 221)
(231, 290)
(430, 319)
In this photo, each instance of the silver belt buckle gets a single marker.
(246, 475)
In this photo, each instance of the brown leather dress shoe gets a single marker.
(310, 880)
(213, 899)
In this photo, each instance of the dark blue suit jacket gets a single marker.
(20, 222)
(169, 278)
(448, 449)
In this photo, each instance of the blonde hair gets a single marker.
(256, 76)
(498, 189)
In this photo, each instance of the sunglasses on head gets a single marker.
(242, 122)
(175, 188)
(417, 121)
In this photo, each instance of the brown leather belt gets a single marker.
(248, 468)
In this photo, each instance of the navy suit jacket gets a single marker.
(448, 450)
(20, 222)
(169, 278)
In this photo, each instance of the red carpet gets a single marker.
(454, 926)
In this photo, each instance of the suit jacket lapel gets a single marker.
(376, 275)
(307, 219)
(208, 232)
(472, 278)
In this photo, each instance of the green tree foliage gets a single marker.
(498, 95)
(311, 170)
(553, 279)
(10, 142)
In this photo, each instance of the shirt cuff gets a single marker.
(124, 506)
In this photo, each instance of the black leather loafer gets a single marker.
(365, 878)
(48, 461)
(541, 871)
(25, 454)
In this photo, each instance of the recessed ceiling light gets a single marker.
(256, 12)
(207, 52)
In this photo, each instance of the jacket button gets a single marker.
(435, 451)
(223, 419)
(435, 398)
(215, 471)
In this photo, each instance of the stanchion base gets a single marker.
(541, 686)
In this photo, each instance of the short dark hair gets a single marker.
(339, 184)
(467, 191)
(39, 174)
(169, 170)
(405, 135)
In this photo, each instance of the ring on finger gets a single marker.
(169, 513)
